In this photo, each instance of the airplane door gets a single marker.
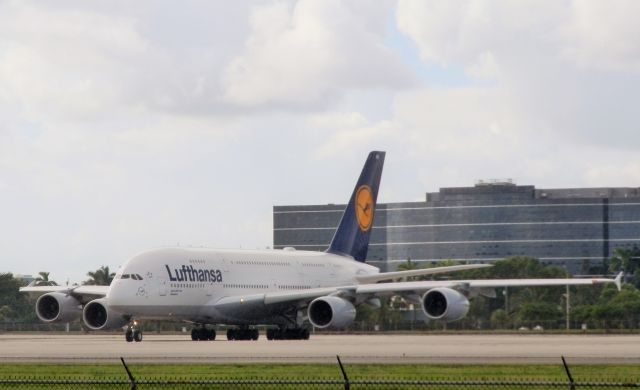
(142, 290)
(162, 287)
(333, 272)
(213, 288)
(210, 289)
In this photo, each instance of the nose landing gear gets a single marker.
(133, 333)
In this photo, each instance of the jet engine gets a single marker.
(58, 307)
(331, 311)
(444, 304)
(97, 316)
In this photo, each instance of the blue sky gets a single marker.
(430, 73)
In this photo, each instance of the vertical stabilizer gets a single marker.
(352, 236)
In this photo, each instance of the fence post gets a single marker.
(344, 374)
(566, 369)
(131, 378)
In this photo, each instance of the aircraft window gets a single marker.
(125, 276)
(139, 277)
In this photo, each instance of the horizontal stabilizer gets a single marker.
(417, 272)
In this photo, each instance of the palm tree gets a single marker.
(43, 280)
(625, 260)
(100, 277)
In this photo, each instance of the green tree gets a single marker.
(407, 265)
(627, 261)
(534, 313)
(499, 319)
(43, 279)
(481, 309)
(100, 277)
(14, 305)
(5, 313)
(612, 309)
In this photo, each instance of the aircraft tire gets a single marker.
(211, 334)
(255, 334)
(128, 335)
(194, 334)
(137, 335)
(231, 334)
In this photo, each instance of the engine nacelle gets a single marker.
(97, 316)
(334, 312)
(58, 307)
(444, 304)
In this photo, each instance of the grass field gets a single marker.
(625, 373)
(185, 376)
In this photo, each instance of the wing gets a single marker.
(81, 293)
(362, 292)
(397, 275)
(309, 294)
(273, 298)
(477, 285)
(277, 301)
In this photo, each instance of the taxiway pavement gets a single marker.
(460, 349)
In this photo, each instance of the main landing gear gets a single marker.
(242, 334)
(202, 334)
(288, 334)
(133, 333)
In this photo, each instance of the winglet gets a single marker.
(618, 280)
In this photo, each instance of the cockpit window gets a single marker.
(131, 276)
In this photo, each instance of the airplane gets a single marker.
(279, 288)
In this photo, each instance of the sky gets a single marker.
(126, 126)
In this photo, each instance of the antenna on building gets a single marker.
(495, 182)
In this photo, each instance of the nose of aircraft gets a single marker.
(118, 295)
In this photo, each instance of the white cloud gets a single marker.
(604, 35)
(568, 69)
(613, 171)
(67, 63)
(356, 136)
(131, 125)
(462, 32)
(463, 121)
(303, 54)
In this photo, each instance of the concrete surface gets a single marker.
(577, 349)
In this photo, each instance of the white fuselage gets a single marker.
(190, 284)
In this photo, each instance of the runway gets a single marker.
(394, 349)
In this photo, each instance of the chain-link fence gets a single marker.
(405, 324)
(303, 384)
(320, 384)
